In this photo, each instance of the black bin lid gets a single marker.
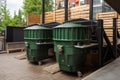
(51, 25)
(69, 25)
(82, 22)
(35, 27)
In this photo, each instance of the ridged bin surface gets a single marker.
(37, 32)
(66, 36)
(72, 32)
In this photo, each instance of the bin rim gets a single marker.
(71, 25)
(36, 27)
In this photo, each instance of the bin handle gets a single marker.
(60, 49)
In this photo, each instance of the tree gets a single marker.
(6, 20)
(17, 20)
(34, 6)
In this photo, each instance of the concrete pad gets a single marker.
(14, 69)
(109, 72)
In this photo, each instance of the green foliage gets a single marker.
(34, 6)
(6, 19)
(48, 5)
(16, 20)
(29, 6)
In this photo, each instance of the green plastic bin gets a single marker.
(38, 42)
(65, 37)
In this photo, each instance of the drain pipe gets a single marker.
(66, 10)
(43, 11)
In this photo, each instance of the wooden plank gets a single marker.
(52, 68)
(15, 49)
(21, 56)
(118, 15)
(106, 13)
(106, 17)
(13, 46)
(109, 23)
(59, 10)
(107, 26)
(109, 15)
(59, 20)
(48, 12)
(48, 17)
(48, 20)
(60, 13)
(33, 19)
(79, 17)
(79, 12)
(80, 8)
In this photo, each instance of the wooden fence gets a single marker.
(58, 15)
(48, 17)
(75, 13)
(33, 19)
(80, 12)
(108, 22)
(107, 17)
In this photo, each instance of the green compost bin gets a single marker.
(38, 42)
(65, 37)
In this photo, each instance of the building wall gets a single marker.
(76, 2)
(87, 1)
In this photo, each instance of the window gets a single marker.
(82, 2)
(97, 2)
(61, 4)
(72, 4)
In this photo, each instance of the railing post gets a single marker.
(43, 11)
(100, 41)
(66, 10)
(91, 10)
(115, 36)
